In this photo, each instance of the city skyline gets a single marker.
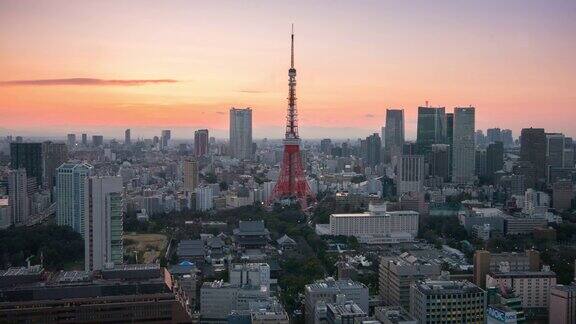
(182, 65)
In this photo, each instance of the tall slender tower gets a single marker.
(292, 182)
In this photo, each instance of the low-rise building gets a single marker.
(562, 304)
(325, 291)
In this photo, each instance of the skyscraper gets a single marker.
(72, 191)
(494, 135)
(431, 128)
(533, 151)
(18, 196)
(127, 137)
(84, 139)
(190, 168)
(373, 148)
(103, 233)
(165, 139)
(241, 133)
(439, 159)
(494, 158)
(201, 138)
(97, 140)
(29, 157)
(53, 155)
(463, 154)
(394, 132)
(507, 138)
(71, 140)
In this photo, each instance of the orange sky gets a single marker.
(514, 61)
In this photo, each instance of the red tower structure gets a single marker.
(291, 183)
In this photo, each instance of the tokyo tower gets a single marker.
(291, 183)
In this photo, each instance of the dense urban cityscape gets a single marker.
(458, 225)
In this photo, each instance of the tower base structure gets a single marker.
(292, 183)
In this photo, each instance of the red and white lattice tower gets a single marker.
(291, 183)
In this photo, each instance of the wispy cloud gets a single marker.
(369, 116)
(84, 82)
(252, 91)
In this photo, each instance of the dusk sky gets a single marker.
(102, 66)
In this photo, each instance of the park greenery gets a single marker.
(59, 247)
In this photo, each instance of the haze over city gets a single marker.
(103, 66)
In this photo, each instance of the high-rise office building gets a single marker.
(97, 140)
(72, 191)
(533, 152)
(84, 139)
(104, 227)
(127, 137)
(326, 146)
(373, 149)
(410, 174)
(53, 155)
(507, 138)
(394, 132)
(241, 133)
(165, 137)
(71, 140)
(18, 196)
(434, 301)
(201, 143)
(439, 160)
(190, 173)
(494, 158)
(463, 154)
(493, 135)
(29, 157)
(431, 128)
(383, 135)
(562, 194)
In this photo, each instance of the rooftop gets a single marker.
(22, 271)
(430, 287)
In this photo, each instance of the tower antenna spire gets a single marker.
(292, 49)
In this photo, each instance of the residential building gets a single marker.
(18, 196)
(464, 148)
(190, 175)
(103, 235)
(241, 133)
(533, 287)
(5, 213)
(204, 198)
(434, 301)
